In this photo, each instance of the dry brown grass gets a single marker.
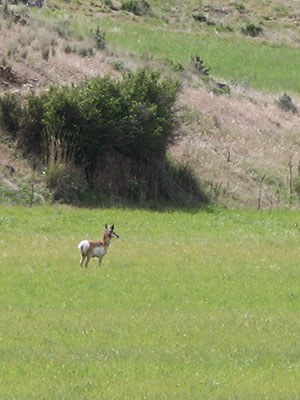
(240, 145)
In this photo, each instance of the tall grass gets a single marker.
(185, 306)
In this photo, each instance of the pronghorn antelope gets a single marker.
(90, 248)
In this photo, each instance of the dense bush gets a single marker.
(10, 113)
(106, 127)
(31, 132)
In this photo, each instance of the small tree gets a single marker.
(100, 39)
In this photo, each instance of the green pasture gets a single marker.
(253, 62)
(185, 306)
(239, 60)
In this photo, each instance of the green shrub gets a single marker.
(100, 39)
(118, 65)
(10, 113)
(137, 7)
(240, 7)
(286, 103)
(15, 14)
(31, 133)
(105, 127)
(61, 122)
(150, 121)
(252, 30)
(199, 66)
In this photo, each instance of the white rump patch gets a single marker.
(83, 246)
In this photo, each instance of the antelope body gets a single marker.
(93, 248)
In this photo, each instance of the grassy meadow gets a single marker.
(235, 59)
(185, 305)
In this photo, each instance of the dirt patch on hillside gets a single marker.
(61, 69)
(34, 57)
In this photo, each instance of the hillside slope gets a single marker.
(242, 145)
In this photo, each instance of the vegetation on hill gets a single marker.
(112, 135)
(212, 50)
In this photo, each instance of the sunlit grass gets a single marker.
(232, 58)
(184, 306)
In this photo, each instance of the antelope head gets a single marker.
(109, 231)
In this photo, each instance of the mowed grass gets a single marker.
(185, 306)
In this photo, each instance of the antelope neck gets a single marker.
(106, 241)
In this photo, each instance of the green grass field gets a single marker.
(235, 59)
(185, 306)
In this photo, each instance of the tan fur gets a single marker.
(96, 248)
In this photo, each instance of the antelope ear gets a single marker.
(106, 226)
(113, 227)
